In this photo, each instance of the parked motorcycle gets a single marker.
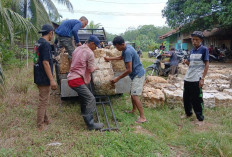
(182, 55)
(220, 58)
(158, 68)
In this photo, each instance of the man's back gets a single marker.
(66, 27)
(82, 63)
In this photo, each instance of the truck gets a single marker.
(123, 86)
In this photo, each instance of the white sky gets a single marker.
(141, 12)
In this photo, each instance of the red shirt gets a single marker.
(76, 82)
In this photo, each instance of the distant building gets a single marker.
(216, 37)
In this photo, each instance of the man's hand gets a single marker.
(53, 85)
(115, 80)
(185, 61)
(107, 59)
(201, 83)
(78, 44)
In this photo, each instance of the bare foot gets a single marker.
(141, 120)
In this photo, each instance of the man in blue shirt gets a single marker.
(195, 76)
(69, 29)
(173, 61)
(135, 70)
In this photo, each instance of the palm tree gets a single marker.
(12, 21)
(92, 25)
(40, 11)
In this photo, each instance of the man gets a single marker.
(135, 70)
(43, 75)
(162, 47)
(79, 77)
(173, 61)
(66, 30)
(195, 76)
(139, 52)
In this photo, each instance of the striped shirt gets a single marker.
(197, 64)
(69, 28)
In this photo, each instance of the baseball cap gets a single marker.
(95, 39)
(46, 28)
(197, 34)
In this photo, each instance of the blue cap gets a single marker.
(95, 39)
(46, 28)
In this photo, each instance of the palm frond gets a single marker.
(38, 13)
(11, 21)
(67, 3)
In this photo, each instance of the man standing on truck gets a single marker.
(79, 77)
(43, 70)
(195, 76)
(67, 30)
(135, 70)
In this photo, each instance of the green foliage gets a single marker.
(198, 14)
(12, 55)
(146, 36)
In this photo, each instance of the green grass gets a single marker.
(165, 133)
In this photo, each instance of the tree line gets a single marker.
(146, 37)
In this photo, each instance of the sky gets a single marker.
(116, 16)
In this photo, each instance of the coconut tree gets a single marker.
(39, 11)
(92, 25)
(11, 22)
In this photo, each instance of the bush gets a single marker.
(12, 55)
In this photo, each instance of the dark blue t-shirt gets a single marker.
(173, 58)
(130, 55)
(45, 54)
(69, 28)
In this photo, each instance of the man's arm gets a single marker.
(167, 55)
(201, 82)
(75, 32)
(128, 71)
(112, 58)
(47, 69)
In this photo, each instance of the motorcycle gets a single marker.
(182, 55)
(220, 58)
(158, 68)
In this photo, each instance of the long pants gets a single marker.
(44, 94)
(87, 100)
(193, 99)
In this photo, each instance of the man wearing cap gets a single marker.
(67, 30)
(194, 79)
(79, 77)
(43, 77)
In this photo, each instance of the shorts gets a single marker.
(67, 43)
(173, 69)
(137, 85)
